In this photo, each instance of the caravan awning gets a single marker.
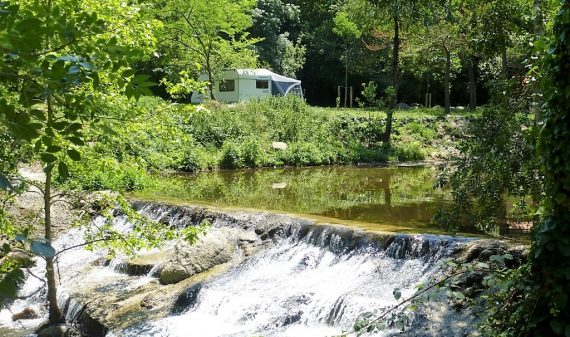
(281, 85)
(284, 85)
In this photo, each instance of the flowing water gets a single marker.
(307, 281)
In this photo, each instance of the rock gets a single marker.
(279, 146)
(148, 302)
(402, 106)
(27, 313)
(460, 108)
(279, 186)
(187, 260)
(53, 331)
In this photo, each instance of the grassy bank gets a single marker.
(174, 137)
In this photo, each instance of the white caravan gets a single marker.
(238, 85)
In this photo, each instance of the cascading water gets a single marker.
(292, 289)
(307, 281)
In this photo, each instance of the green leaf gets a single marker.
(10, 283)
(60, 125)
(53, 149)
(74, 154)
(63, 170)
(397, 294)
(128, 73)
(48, 157)
(38, 114)
(42, 247)
(74, 127)
(76, 140)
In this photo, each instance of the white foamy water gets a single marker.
(294, 288)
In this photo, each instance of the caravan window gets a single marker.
(228, 85)
(262, 84)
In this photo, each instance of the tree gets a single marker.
(278, 26)
(57, 56)
(399, 14)
(211, 33)
(347, 30)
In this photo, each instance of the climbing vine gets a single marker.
(551, 247)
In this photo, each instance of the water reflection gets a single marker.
(397, 196)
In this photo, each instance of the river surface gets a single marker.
(388, 198)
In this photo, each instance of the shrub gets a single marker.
(408, 151)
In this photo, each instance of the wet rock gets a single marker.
(292, 318)
(148, 302)
(53, 331)
(187, 299)
(187, 260)
(27, 313)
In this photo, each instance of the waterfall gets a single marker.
(306, 280)
(294, 289)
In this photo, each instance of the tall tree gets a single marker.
(57, 55)
(211, 33)
(278, 24)
(397, 16)
(347, 30)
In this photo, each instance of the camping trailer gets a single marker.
(238, 85)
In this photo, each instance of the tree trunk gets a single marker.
(394, 75)
(210, 79)
(472, 84)
(446, 83)
(396, 53)
(346, 74)
(55, 314)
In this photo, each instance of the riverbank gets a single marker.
(278, 132)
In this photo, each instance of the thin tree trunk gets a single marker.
(55, 314)
(394, 75)
(396, 52)
(345, 73)
(210, 79)
(446, 82)
(472, 84)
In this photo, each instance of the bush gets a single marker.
(408, 151)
